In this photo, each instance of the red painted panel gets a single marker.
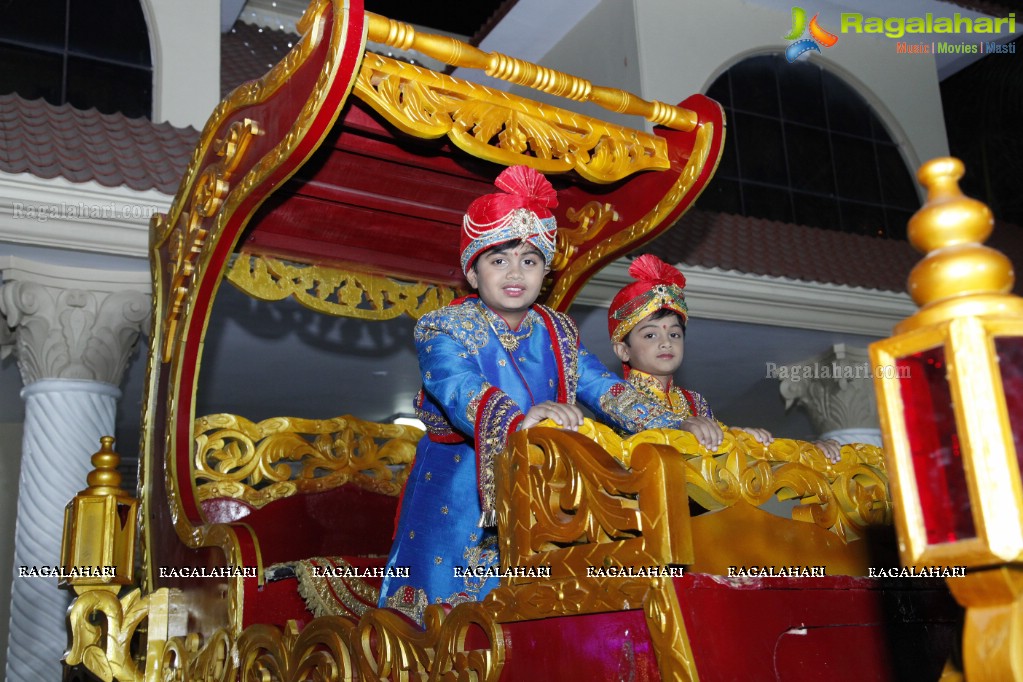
(835, 628)
(839, 629)
(590, 648)
(366, 196)
(347, 521)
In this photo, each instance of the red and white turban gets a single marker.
(521, 211)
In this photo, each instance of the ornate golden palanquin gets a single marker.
(326, 131)
(291, 194)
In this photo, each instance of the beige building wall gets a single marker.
(184, 40)
(683, 48)
(667, 50)
(602, 49)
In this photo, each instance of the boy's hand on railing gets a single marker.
(832, 450)
(564, 415)
(706, 430)
(762, 436)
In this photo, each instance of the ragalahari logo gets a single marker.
(818, 36)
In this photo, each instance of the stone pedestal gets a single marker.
(73, 335)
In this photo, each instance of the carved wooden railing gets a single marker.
(564, 499)
(845, 497)
(261, 462)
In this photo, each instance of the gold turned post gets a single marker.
(98, 547)
(958, 276)
(454, 52)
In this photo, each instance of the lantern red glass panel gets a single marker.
(934, 446)
(1010, 365)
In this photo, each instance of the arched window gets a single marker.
(86, 54)
(803, 147)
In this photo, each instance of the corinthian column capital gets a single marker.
(71, 323)
(835, 388)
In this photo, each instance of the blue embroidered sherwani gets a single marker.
(479, 380)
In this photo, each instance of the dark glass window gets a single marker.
(89, 55)
(803, 146)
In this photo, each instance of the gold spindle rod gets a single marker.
(403, 36)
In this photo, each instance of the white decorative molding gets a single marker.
(715, 294)
(837, 390)
(846, 436)
(66, 331)
(82, 216)
(15, 268)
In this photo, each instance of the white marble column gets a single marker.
(73, 333)
(836, 389)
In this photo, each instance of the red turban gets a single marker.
(657, 286)
(520, 212)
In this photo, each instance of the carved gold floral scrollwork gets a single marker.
(619, 242)
(455, 663)
(862, 493)
(457, 53)
(575, 507)
(103, 629)
(574, 504)
(189, 237)
(844, 497)
(190, 658)
(321, 651)
(276, 458)
(382, 646)
(590, 220)
(565, 596)
(391, 648)
(335, 291)
(565, 502)
(504, 128)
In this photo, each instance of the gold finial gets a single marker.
(104, 479)
(959, 275)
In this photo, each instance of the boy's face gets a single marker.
(508, 279)
(654, 346)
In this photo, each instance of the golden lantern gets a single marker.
(950, 401)
(98, 547)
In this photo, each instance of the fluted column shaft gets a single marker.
(64, 420)
(73, 345)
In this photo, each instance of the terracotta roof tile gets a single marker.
(247, 52)
(59, 141)
(777, 249)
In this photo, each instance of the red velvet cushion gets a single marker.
(344, 521)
